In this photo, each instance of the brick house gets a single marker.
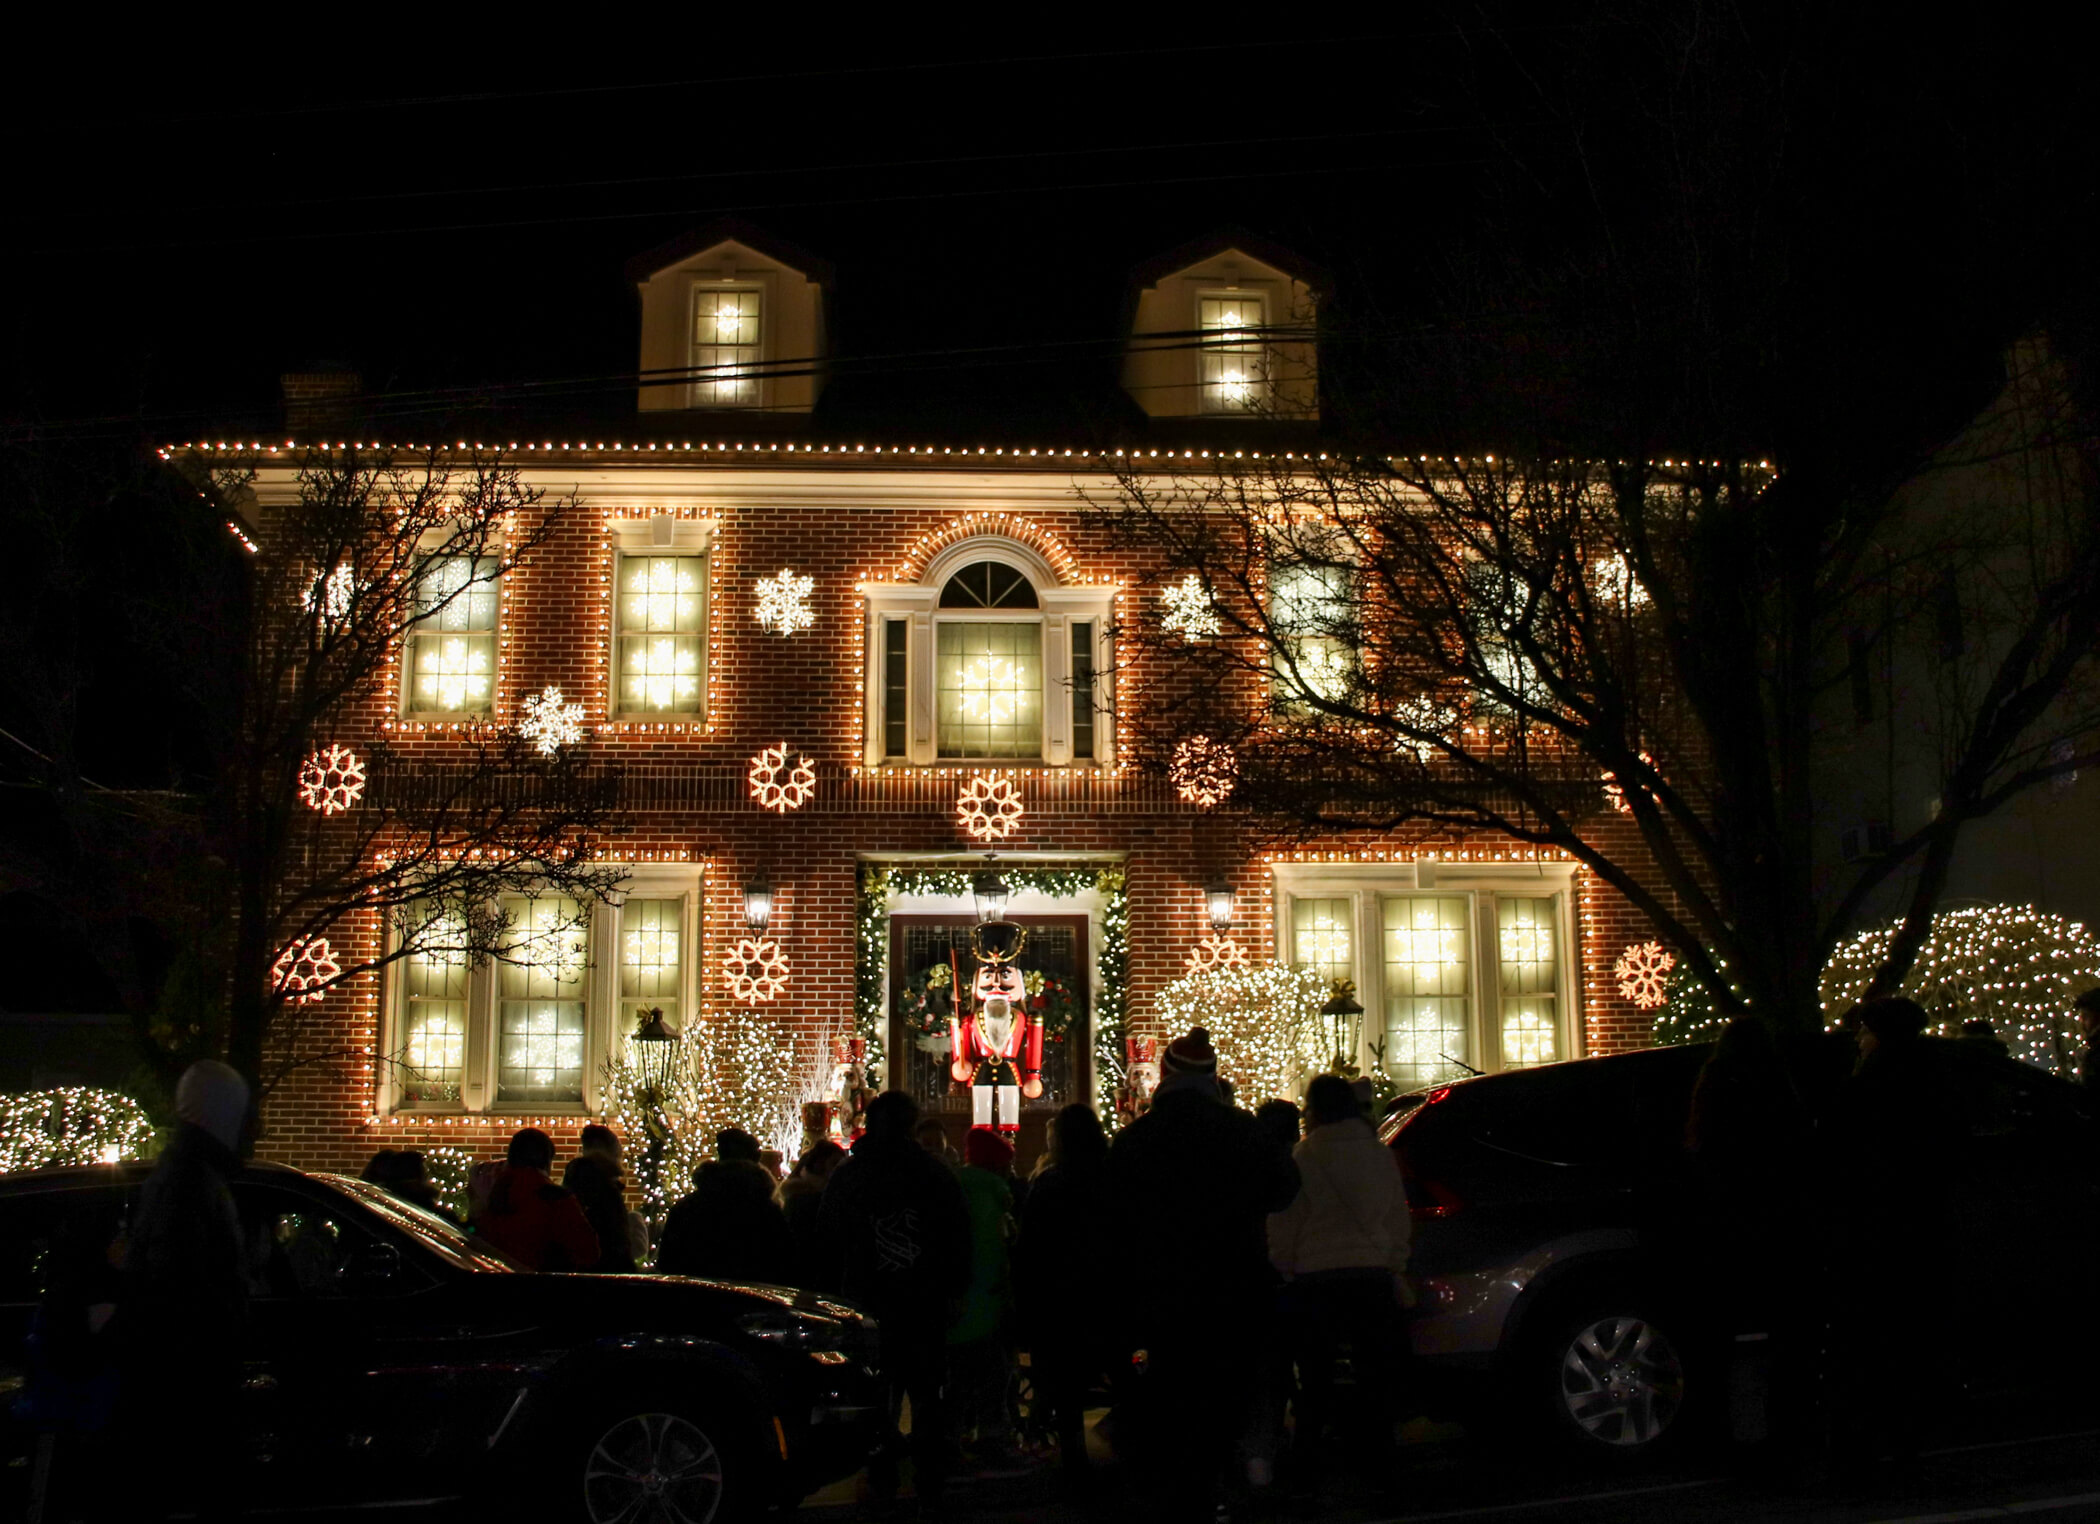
(961, 609)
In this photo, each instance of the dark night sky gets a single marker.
(194, 213)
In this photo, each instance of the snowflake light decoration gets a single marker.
(1190, 609)
(332, 780)
(755, 970)
(1643, 972)
(1423, 715)
(303, 968)
(783, 602)
(1213, 953)
(549, 723)
(1615, 792)
(331, 595)
(989, 807)
(1615, 582)
(774, 792)
(1204, 771)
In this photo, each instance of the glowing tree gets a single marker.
(1264, 1022)
(72, 1125)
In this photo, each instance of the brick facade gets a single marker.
(843, 517)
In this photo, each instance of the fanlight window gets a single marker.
(988, 585)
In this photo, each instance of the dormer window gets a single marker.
(726, 346)
(1234, 358)
(987, 659)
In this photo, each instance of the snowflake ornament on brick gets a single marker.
(783, 602)
(775, 792)
(303, 969)
(1204, 772)
(1190, 609)
(1213, 953)
(989, 807)
(331, 596)
(548, 723)
(331, 780)
(1643, 972)
(1615, 792)
(754, 970)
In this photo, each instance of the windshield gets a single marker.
(442, 1237)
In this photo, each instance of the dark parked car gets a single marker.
(1558, 1234)
(396, 1358)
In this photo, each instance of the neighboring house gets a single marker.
(960, 616)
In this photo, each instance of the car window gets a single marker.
(1568, 1114)
(294, 1246)
(47, 1234)
(445, 1238)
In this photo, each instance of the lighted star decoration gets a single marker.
(331, 595)
(778, 793)
(1643, 972)
(304, 969)
(548, 723)
(754, 970)
(1204, 771)
(1214, 952)
(1190, 609)
(1615, 792)
(989, 807)
(783, 602)
(331, 780)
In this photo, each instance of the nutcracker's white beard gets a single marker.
(998, 1022)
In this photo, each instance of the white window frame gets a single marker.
(601, 985)
(659, 535)
(434, 547)
(1058, 609)
(699, 391)
(1480, 885)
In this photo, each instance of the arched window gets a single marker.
(987, 658)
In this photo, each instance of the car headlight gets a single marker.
(787, 1329)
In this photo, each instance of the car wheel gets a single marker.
(662, 1465)
(1617, 1382)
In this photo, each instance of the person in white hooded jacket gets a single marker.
(1342, 1245)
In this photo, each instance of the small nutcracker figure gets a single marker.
(851, 1088)
(1140, 1077)
(996, 1048)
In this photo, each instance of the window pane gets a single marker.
(650, 965)
(1308, 606)
(896, 696)
(540, 1014)
(1234, 366)
(1425, 988)
(661, 611)
(1083, 690)
(725, 348)
(988, 585)
(1320, 938)
(434, 1018)
(990, 697)
(452, 650)
(1529, 982)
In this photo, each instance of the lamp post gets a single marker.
(1345, 1024)
(990, 891)
(655, 1055)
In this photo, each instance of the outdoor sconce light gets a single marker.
(758, 902)
(1345, 1019)
(1220, 901)
(990, 891)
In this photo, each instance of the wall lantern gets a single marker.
(658, 1051)
(1219, 900)
(990, 891)
(758, 901)
(1345, 1022)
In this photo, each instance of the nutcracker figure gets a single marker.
(996, 1047)
(851, 1086)
(1140, 1077)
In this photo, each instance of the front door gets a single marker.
(928, 955)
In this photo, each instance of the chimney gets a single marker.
(320, 399)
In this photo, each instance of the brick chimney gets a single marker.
(320, 399)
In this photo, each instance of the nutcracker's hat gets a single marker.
(997, 942)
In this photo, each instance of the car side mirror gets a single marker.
(371, 1267)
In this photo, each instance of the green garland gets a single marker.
(1112, 963)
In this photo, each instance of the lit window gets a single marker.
(434, 1055)
(1426, 1013)
(661, 614)
(651, 966)
(725, 348)
(452, 645)
(1320, 938)
(540, 1003)
(1309, 609)
(1235, 366)
(1530, 982)
(989, 702)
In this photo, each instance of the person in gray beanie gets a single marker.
(184, 1311)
